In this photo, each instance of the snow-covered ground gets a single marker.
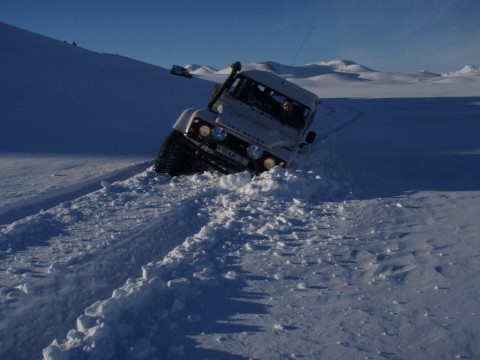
(367, 248)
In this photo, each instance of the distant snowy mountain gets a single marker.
(466, 70)
(345, 66)
(337, 71)
(304, 71)
(199, 69)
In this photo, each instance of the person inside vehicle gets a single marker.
(286, 114)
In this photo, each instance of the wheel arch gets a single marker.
(186, 117)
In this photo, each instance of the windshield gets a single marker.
(269, 101)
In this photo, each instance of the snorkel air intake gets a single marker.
(236, 67)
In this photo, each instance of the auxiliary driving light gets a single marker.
(269, 163)
(204, 130)
(219, 133)
(254, 152)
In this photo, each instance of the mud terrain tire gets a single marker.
(171, 159)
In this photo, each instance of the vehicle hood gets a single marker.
(256, 126)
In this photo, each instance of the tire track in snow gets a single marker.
(21, 209)
(332, 118)
(237, 218)
(132, 222)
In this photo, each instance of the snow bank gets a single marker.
(106, 328)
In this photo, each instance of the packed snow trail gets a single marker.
(49, 198)
(84, 248)
(241, 216)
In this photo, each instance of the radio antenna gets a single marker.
(298, 52)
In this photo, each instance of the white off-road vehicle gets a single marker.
(254, 121)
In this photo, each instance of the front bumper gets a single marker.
(208, 153)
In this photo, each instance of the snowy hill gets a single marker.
(304, 71)
(338, 67)
(345, 66)
(467, 70)
(366, 248)
(107, 92)
(343, 78)
(200, 70)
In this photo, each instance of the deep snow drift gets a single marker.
(366, 249)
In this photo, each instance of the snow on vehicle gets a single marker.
(255, 121)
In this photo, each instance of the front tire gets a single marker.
(171, 158)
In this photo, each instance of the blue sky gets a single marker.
(387, 35)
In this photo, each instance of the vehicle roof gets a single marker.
(283, 86)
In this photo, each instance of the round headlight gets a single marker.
(269, 163)
(204, 130)
(219, 133)
(254, 152)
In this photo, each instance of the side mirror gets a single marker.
(310, 137)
